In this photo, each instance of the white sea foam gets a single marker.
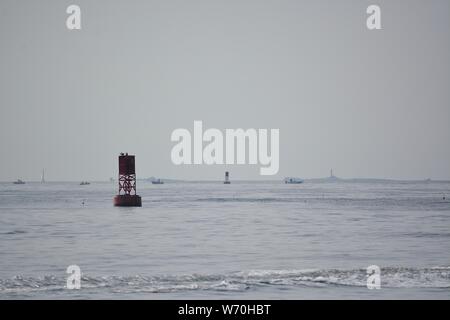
(392, 277)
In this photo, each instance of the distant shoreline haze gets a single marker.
(174, 180)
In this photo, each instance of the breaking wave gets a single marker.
(391, 277)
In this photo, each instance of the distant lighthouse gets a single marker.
(127, 196)
(227, 178)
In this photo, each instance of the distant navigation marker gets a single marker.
(227, 178)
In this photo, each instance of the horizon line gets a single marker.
(324, 179)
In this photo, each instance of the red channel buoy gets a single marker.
(127, 196)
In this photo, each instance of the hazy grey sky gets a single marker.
(367, 103)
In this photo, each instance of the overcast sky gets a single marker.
(366, 103)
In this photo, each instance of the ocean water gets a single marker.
(206, 240)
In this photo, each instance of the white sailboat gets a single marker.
(332, 177)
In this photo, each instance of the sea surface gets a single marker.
(246, 240)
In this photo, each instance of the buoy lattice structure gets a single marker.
(127, 196)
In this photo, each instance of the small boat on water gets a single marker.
(18, 181)
(157, 181)
(293, 180)
(84, 183)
